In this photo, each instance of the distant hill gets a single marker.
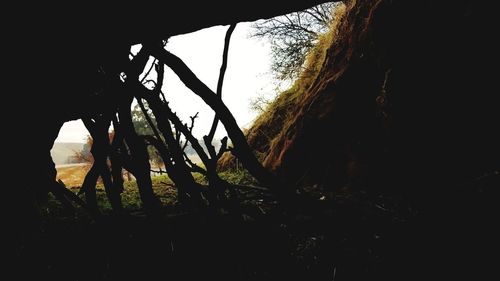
(61, 151)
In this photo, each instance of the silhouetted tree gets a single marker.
(98, 128)
(153, 123)
(292, 36)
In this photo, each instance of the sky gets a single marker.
(247, 75)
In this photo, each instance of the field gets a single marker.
(73, 176)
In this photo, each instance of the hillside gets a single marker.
(382, 105)
(61, 151)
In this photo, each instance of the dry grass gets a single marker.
(72, 176)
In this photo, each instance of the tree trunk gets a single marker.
(88, 187)
(116, 157)
(139, 153)
(100, 151)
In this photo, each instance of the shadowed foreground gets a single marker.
(351, 237)
(394, 145)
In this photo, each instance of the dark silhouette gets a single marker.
(386, 168)
(100, 150)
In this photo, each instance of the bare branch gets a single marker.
(293, 36)
(223, 148)
(160, 70)
(192, 121)
(195, 168)
(149, 70)
(187, 133)
(221, 78)
(241, 147)
(148, 118)
(318, 18)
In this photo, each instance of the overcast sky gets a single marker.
(246, 76)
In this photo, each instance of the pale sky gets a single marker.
(246, 76)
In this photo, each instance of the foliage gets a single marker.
(142, 127)
(239, 177)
